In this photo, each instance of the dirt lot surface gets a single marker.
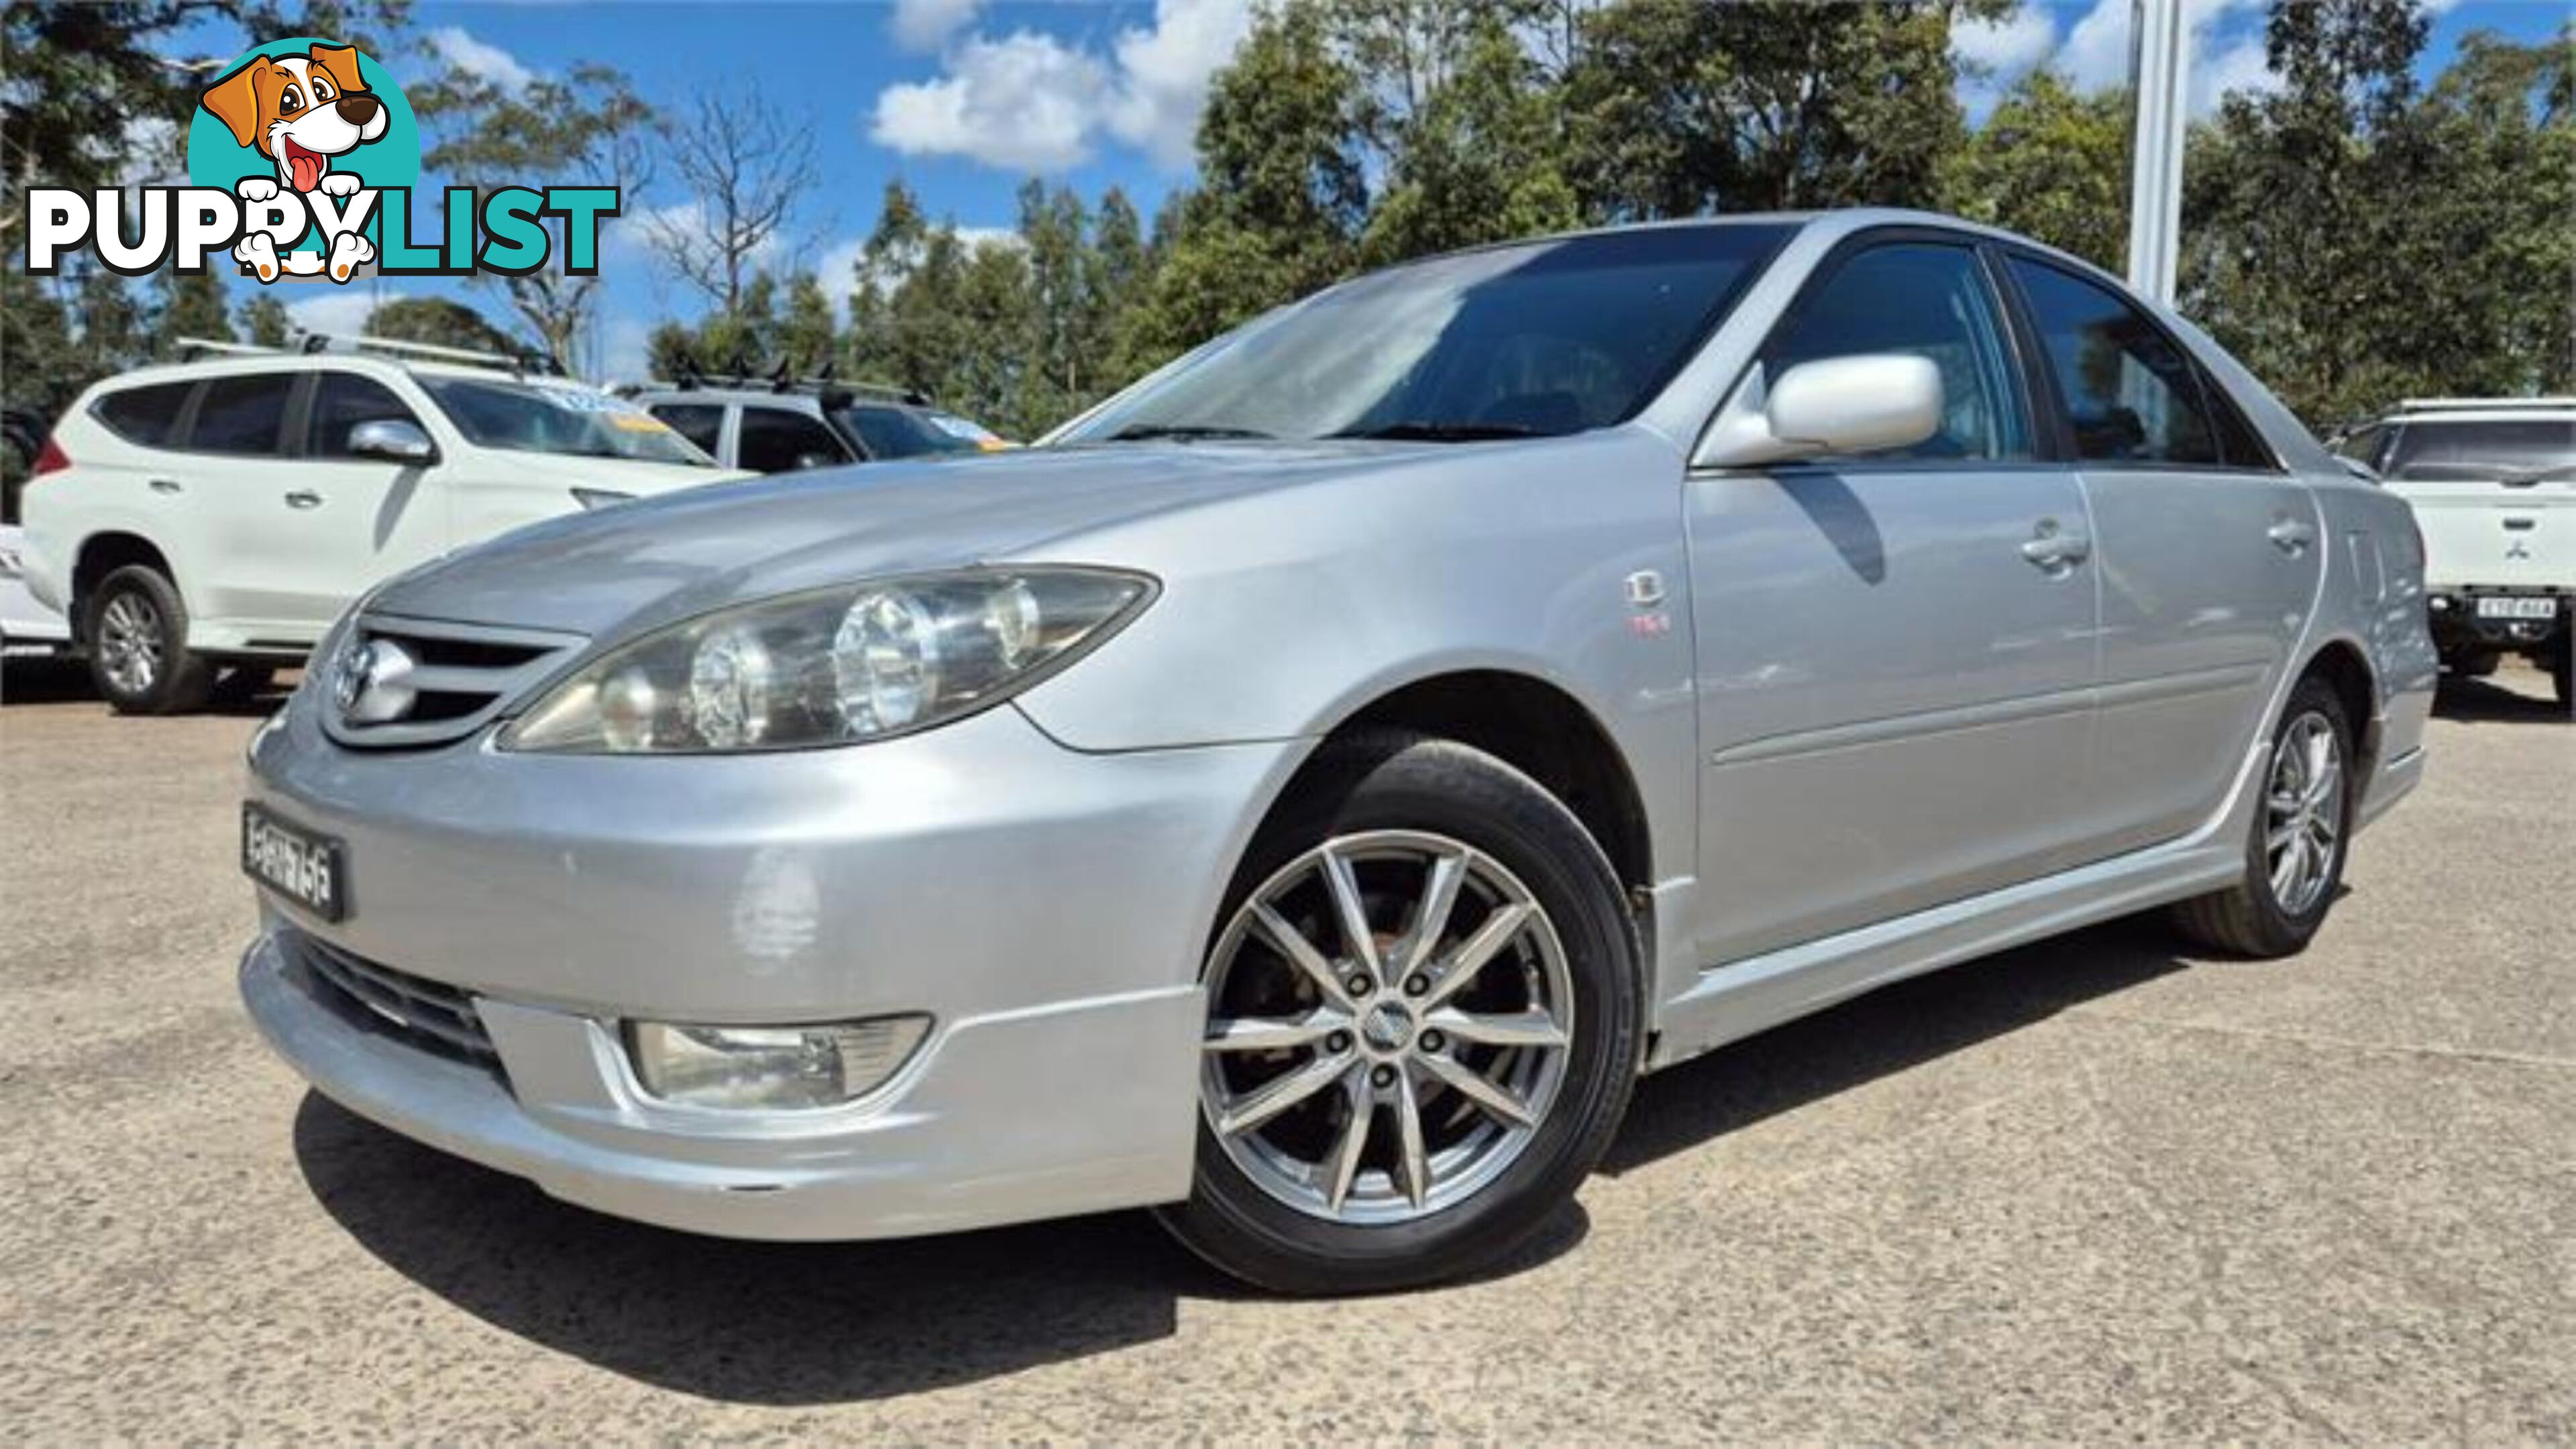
(2095, 1188)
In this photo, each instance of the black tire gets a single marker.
(2562, 669)
(1400, 781)
(2248, 918)
(137, 602)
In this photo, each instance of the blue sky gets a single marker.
(963, 99)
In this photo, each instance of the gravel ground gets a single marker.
(2095, 1188)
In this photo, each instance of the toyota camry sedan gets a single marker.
(1306, 792)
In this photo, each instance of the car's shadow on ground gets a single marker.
(1885, 1032)
(2484, 701)
(66, 681)
(789, 1324)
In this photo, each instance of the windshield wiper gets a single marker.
(1427, 431)
(1181, 432)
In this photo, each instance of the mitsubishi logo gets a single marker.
(371, 681)
(2516, 548)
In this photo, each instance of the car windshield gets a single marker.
(534, 419)
(2512, 449)
(1533, 340)
(904, 433)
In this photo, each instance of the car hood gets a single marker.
(621, 570)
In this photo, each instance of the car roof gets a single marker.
(282, 361)
(2483, 410)
(771, 397)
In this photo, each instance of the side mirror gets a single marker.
(393, 440)
(1869, 403)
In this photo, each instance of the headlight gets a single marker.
(10, 564)
(833, 666)
(590, 498)
(771, 1067)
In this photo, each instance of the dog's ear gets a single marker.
(234, 100)
(341, 61)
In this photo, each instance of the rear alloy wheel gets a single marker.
(1422, 1026)
(138, 645)
(2294, 862)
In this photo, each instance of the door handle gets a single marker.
(2291, 536)
(164, 485)
(303, 498)
(2055, 551)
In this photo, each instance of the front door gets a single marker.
(1896, 652)
(350, 521)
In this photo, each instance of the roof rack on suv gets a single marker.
(2483, 404)
(192, 348)
(779, 379)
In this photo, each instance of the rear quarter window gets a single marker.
(143, 415)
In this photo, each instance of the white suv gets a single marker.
(2493, 485)
(221, 514)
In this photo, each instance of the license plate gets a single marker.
(296, 863)
(2511, 608)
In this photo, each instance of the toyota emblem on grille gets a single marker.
(371, 681)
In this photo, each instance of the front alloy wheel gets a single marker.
(1389, 1027)
(1423, 1023)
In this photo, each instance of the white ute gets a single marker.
(2493, 485)
(219, 514)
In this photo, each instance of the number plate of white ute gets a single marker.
(297, 864)
(2501, 607)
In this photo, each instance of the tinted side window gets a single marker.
(700, 423)
(341, 401)
(2131, 393)
(143, 414)
(774, 440)
(1932, 301)
(241, 414)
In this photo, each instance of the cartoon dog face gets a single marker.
(299, 110)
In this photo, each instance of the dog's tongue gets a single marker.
(307, 168)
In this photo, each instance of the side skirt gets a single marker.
(1740, 998)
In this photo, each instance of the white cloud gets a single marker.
(2007, 47)
(1024, 102)
(926, 25)
(454, 45)
(1164, 73)
(339, 311)
(1031, 102)
(2226, 53)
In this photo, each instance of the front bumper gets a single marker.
(1047, 908)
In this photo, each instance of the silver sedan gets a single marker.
(1304, 793)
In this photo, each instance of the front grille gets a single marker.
(452, 680)
(429, 1014)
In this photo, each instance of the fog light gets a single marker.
(771, 1067)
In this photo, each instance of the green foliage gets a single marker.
(441, 322)
(587, 124)
(2051, 164)
(2354, 238)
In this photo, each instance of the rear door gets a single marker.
(2209, 555)
(246, 546)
